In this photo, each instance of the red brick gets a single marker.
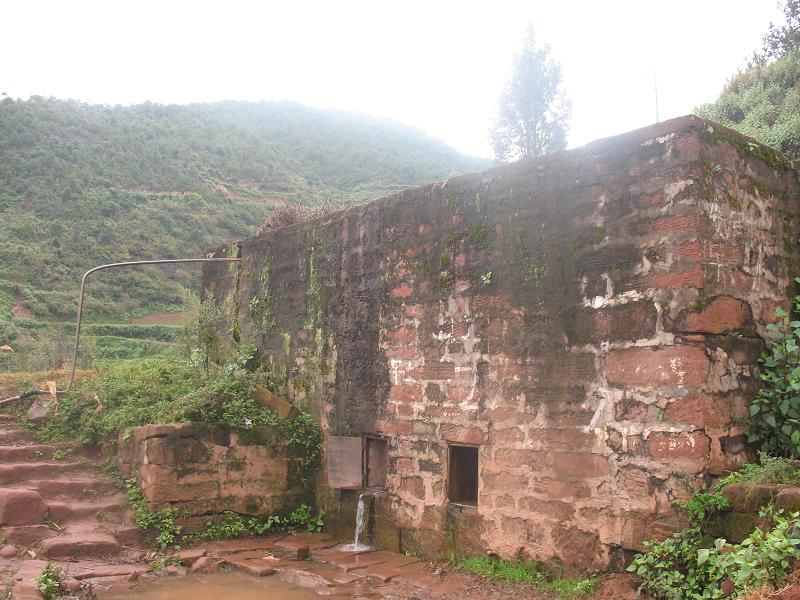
(721, 315)
(510, 457)
(434, 370)
(412, 486)
(393, 427)
(503, 481)
(404, 466)
(463, 435)
(701, 410)
(689, 251)
(403, 410)
(678, 446)
(459, 393)
(677, 223)
(513, 435)
(414, 311)
(645, 367)
(549, 508)
(570, 438)
(407, 353)
(402, 291)
(631, 321)
(579, 465)
(406, 393)
(403, 335)
(561, 489)
(693, 277)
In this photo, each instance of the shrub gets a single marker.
(775, 411)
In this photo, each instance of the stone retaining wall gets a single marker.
(205, 469)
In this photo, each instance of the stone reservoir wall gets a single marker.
(590, 321)
(205, 469)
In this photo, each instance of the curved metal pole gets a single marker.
(112, 266)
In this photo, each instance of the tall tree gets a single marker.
(533, 111)
(780, 39)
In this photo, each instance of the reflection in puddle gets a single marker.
(214, 586)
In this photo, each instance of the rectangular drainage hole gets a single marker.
(462, 485)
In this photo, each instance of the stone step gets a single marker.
(21, 507)
(73, 488)
(7, 418)
(61, 510)
(17, 472)
(27, 535)
(32, 452)
(16, 436)
(80, 544)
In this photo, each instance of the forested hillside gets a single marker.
(83, 184)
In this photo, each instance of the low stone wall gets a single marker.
(746, 501)
(204, 469)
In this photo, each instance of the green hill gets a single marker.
(83, 184)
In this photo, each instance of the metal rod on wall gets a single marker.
(113, 266)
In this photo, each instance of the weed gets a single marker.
(536, 573)
(770, 470)
(705, 504)
(62, 454)
(486, 278)
(49, 583)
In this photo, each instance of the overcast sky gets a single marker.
(437, 65)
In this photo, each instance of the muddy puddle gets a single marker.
(214, 586)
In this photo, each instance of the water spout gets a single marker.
(361, 522)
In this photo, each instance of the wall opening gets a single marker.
(375, 462)
(462, 487)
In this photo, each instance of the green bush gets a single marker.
(685, 567)
(775, 411)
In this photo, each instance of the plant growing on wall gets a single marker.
(775, 411)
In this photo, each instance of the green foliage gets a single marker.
(704, 504)
(534, 112)
(161, 522)
(775, 411)
(682, 567)
(540, 575)
(49, 583)
(764, 103)
(769, 470)
(83, 184)
(232, 525)
(486, 278)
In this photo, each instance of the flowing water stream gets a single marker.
(361, 522)
(214, 586)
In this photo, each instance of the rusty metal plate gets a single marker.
(345, 468)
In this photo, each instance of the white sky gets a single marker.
(437, 65)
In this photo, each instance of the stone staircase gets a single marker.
(56, 503)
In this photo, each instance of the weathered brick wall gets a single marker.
(204, 469)
(591, 320)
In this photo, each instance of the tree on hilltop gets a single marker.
(533, 111)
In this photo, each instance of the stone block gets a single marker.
(266, 399)
(21, 507)
(669, 446)
(721, 315)
(788, 499)
(747, 497)
(578, 465)
(647, 367)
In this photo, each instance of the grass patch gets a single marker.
(769, 470)
(543, 577)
